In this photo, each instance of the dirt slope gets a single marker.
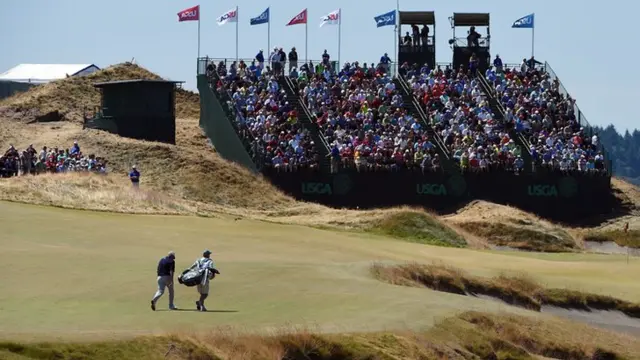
(72, 97)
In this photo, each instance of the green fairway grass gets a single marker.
(79, 274)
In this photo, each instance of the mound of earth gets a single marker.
(187, 178)
(71, 98)
(505, 226)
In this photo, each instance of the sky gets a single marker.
(583, 42)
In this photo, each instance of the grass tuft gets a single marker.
(519, 291)
(521, 238)
(630, 239)
(470, 335)
(418, 226)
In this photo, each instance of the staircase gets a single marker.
(499, 114)
(413, 107)
(305, 118)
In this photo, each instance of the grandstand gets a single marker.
(375, 135)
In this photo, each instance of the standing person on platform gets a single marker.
(166, 269)
(293, 58)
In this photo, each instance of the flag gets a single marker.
(525, 22)
(299, 19)
(229, 16)
(190, 14)
(261, 19)
(386, 19)
(333, 18)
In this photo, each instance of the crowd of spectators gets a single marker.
(49, 160)
(460, 113)
(265, 116)
(534, 103)
(361, 114)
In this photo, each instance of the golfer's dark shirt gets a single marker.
(166, 266)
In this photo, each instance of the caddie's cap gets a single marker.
(207, 252)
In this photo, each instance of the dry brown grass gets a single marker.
(187, 178)
(470, 335)
(518, 290)
(502, 225)
(73, 96)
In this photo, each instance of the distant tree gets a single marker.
(623, 150)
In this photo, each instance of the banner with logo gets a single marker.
(190, 14)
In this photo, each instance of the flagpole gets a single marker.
(339, 36)
(237, 22)
(269, 30)
(306, 38)
(396, 33)
(533, 31)
(198, 33)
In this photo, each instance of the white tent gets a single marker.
(43, 73)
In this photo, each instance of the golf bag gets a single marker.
(191, 277)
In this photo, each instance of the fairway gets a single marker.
(77, 274)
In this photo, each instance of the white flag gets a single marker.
(229, 16)
(333, 18)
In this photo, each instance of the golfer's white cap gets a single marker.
(171, 253)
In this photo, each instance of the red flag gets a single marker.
(190, 14)
(299, 19)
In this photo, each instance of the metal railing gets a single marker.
(226, 100)
(293, 86)
(424, 117)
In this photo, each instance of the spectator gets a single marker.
(268, 122)
(260, 59)
(293, 59)
(415, 32)
(473, 38)
(497, 63)
(28, 161)
(134, 176)
(385, 62)
(325, 57)
(424, 35)
(547, 118)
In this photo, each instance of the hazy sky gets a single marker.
(582, 41)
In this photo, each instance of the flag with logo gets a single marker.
(333, 18)
(525, 22)
(190, 14)
(229, 16)
(386, 19)
(301, 18)
(260, 19)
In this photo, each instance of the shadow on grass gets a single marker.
(194, 310)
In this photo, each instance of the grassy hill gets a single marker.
(74, 96)
(286, 265)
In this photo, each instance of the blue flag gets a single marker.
(525, 22)
(386, 19)
(261, 19)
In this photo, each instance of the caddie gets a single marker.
(166, 269)
(206, 264)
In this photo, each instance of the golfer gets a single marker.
(166, 268)
(204, 263)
